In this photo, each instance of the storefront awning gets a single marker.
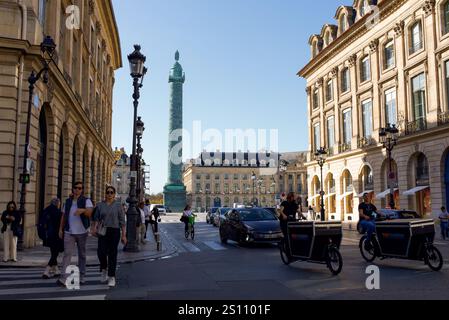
(415, 190)
(384, 194)
(367, 191)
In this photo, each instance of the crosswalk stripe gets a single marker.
(37, 270)
(214, 245)
(55, 289)
(190, 247)
(38, 281)
(36, 276)
(93, 297)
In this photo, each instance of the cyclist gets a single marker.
(187, 213)
(367, 214)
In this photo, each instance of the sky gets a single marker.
(240, 58)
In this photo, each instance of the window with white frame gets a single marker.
(367, 118)
(331, 132)
(316, 99)
(445, 9)
(365, 69)
(416, 40)
(390, 107)
(389, 55)
(42, 8)
(316, 137)
(329, 91)
(345, 80)
(347, 126)
(419, 97)
(446, 67)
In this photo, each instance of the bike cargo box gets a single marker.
(309, 239)
(404, 238)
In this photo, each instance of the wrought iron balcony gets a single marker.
(344, 147)
(415, 126)
(365, 142)
(443, 118)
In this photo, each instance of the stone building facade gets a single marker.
(384, 62)
(222, 179)
(72, 115)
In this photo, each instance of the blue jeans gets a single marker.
(368, 227)
(444, 227)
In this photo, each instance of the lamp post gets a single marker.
(48, 47)
(389, 138)
(138, 71)
(320, 157)
(139, 131)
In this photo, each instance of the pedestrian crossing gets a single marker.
(27, 284)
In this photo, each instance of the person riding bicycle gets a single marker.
(186, 214)
(367, 214)
(287, 212)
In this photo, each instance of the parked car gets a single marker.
(167, 209)
(389, 214)
(272, 210)
(210, 215)
(220, 216)
(160, 207)
(250, 225)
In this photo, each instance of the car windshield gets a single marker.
(256, 215)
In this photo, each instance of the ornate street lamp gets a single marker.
(389, 138)
(48, 48)
(140, 128)
(138, 71)
(320, 157)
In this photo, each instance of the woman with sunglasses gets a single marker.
(108, 219)
(11, 224)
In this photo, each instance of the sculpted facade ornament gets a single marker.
(352, 60)
(334, 72)
(50, 92)
(399, 28)
(91, 7)
(98, 27)
(319, 83)
(103, 44)
(308, 90)
(374, 45)
(428, 7)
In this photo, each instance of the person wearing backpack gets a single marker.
(75, 222)
(48, 231)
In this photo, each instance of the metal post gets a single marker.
(392, 204)
(323, 212)
(132, 213)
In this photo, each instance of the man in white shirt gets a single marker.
(147, 211)
(74, 227)
(141, 229)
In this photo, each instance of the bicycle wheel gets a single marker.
(283, 251)
(192, 233)
(367, 250)
(334, 260)
(187, 232)
(433, 258)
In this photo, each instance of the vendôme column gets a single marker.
(174, 190)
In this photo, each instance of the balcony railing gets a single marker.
(365, 142)
(344, 147)
(443, 118)
(415, 126)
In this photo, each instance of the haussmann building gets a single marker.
(380, 62)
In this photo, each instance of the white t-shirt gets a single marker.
(188, 213)
(76, 226)
(147, 211)
(142, 215)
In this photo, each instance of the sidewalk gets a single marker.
(39, 255)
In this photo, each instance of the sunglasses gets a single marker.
(78, 188)
(110, 192)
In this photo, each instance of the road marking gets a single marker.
(214, 245)
(38, 281)
(55, 289)
(190, 247)
(94, 297)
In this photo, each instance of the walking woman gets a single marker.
(11, 226)
(109, 218)
(48, 231)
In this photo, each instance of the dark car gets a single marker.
(250, 225)
(389, 214)
(220, 216)
(210, 215)
(272, 210)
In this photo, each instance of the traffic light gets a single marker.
(24, 178)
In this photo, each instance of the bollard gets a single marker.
(158, 241)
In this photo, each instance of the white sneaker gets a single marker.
(104, 276)
(56, 271)
(111, 282)
(82, 279)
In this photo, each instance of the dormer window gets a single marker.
(343, 23)
(326, 39)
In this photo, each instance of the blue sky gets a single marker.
(240, 58)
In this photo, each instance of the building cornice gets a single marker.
(356, 31)
(107, 16)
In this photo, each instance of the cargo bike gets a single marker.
(315, 242)
(409, 239)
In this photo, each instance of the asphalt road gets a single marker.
(207, 270)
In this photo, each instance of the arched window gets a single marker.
(415, 38)
(422, 168)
